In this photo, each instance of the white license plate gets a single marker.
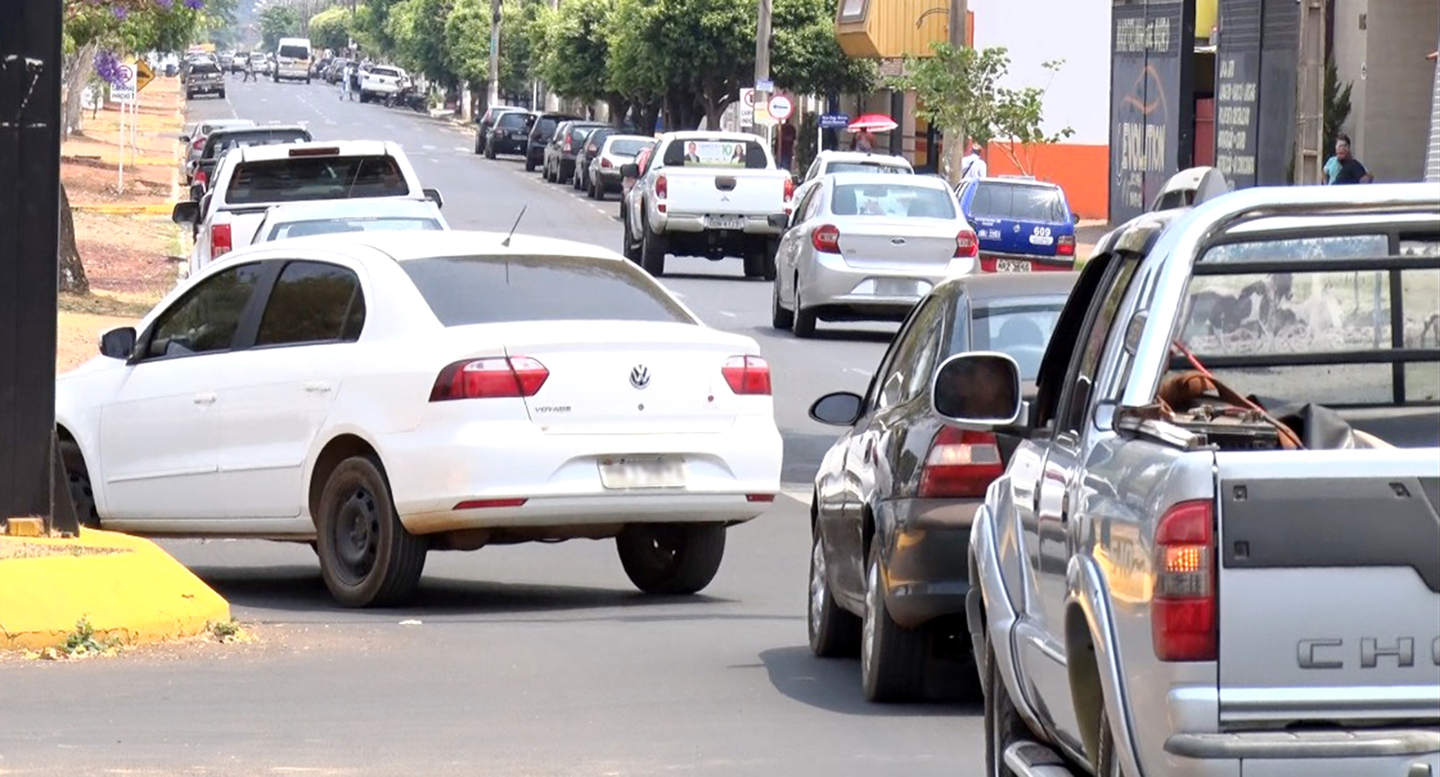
(898, 288)
(621, 472)
(724, 222)
(1011, 265)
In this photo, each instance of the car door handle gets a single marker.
(317, 387)
(1065, 507)
(205, 398)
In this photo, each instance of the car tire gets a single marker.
(307, 81)
(222, 94)
(77, 482)
(627, 242)
(772, 251)
(489, 151)
(529, 165)
(478, 148)
(834, 632)
(1107, 762)
(1003, 725)
(754, 263)
(804, 319)
(675, 559)
(367, 557)
(652, 251)
(892, 658)
(780, 318)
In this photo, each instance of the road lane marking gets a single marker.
(461, 149)
(428, 148)
(727, 314)
(858, 371)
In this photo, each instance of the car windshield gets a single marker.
(512, 121)
(718, 152)
(295, 52)
(496, 289)
(866, 167)
(1019, 202)
(219, 144)
(386, 71)
(887, 199)
(357, 224)
(1019, 327)
(628, 147)
(297, 179)
(204, 69)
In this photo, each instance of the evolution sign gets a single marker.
(1256, 66)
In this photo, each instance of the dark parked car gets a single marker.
(541, 132)
(221, 141)
(560, 154)
(1023, 225)
(587, 154)
(204, 77)
(486, 123)
(510, 135)
(896, 495)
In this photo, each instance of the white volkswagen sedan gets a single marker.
(386, 394)
(329, 217)
(868, 246)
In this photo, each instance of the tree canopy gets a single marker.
(331, 28)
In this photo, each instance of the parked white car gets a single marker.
(604, 172)
(333, 217)
(868, 246)
(387, 394)
(247, 181)
(381, 81)
(710, 194)
(834, 162)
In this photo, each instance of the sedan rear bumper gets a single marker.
(924, 555)
(838, 290)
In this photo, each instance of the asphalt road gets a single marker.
(531, 660)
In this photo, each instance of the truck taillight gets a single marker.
(201, 177)
(1065, 245)
(789, 188)
(967, 245)
(220, 240)
(961, 463)
(1183, 608)
(198, 144)
(826, 239)
(491, 378)
(747, 375)
(662, 187)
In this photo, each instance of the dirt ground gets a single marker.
(125, 255)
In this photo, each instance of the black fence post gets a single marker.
(30, 76)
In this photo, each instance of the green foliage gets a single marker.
(276, 22)
(417, 28)
(516, 56)
(631, 69)
(805, 57)
(82, 640)
(959, 90)
(136, 25)
(1337, 102)
(574, 50)
(330, 29)
(467, 37)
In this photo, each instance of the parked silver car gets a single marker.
(868, 246)
(618, 151)
(196, 134)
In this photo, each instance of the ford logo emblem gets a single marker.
(640, 376)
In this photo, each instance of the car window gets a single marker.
(296, 179)
(492, 289)
(295, 52)
(806, 207)
(512, 120)
(908, 372)
(1019, 327)
(386, 71)
(289, 229)
(545, 126)
(313, 302)
(204, 68)
(206, 318)
(628, 147)
(1019, 202)
(887, 199)
(866, 167)
(220, 142)
(1104, 307)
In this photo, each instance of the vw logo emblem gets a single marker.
(1017, 227)
(639, 376)
(898, 241)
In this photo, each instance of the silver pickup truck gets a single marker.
(1216, 550)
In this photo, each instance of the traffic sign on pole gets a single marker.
(765, 86)
(747, 107)
(125, 92)
(143, 75)
(781, 107)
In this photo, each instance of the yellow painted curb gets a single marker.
(127, 588)
(121, 209)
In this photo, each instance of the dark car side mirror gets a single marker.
(630, 171)
(184, 138)
(980, 388)
(433, 195)
(185, 212)
(778, 221)
(842, 408)
(118, 343)
(1075, 218)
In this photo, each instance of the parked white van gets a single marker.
(292, 59)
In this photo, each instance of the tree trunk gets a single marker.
(649, 114)
(619, 106)
(72, 270)
(76, 73)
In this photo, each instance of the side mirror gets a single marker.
(185, 212)
(433, 195)
(184, 138)
(197, 191)
(630, 171)
(118, 343)
(841, 408)
(778, 221)
(980, 388)
(1075, 218)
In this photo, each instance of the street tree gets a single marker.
(418, 29)
(574, 51)
(331, 28)
(632, 69)
(701, 51)
(467, 39)
(516, 56)
(276, 22)
(959, 90)
(805, 56)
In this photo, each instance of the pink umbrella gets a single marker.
(873, 122)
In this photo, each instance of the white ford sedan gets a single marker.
(386, 394)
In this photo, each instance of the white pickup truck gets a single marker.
(381, 81)
(710, 194)
(250, 180)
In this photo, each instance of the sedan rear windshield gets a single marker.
(340, 225)
(388, 72)
(316, 178)
(1018, 327)
(204, 69)
(295, 52)
(489, 289)
(629, 147)
(866, 167)
(219, 144)
(887, 199)
(1018, 202)
(512, 121)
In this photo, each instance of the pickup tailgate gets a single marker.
(722, 192)
(1329, 584)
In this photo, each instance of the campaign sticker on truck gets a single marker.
(710, 153)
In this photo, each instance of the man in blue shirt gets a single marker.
(1344, 168)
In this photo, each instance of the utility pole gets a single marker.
(493, 94)
(1310, 97)
(762, 59)
(955, 147)
(30, 116)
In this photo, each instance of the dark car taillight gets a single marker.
(1065, 245)
(961, 464)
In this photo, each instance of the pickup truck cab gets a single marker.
(205, 77)
(251, 180)
(710, 194)
(1213, 551)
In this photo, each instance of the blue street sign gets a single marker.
(834, 121)
(765, 86)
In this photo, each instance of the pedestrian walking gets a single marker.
(863, 142)
(249, 71)
(1344, 168)
(345, 80)
(973, 166)
(785, 145)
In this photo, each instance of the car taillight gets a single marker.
(826, 239)
(201, 177)
(591, 149)
(606, 163)
(1183, 607)
(198, 144)
(967, 245)
(490, 378)
(220, 240)
(789, 189)
(961, 463)
(747, 375)
(1065, 245)
(568, 145)
(662, 187)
